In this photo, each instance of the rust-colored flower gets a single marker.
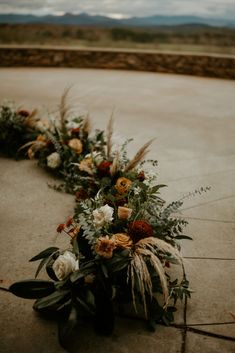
(139, 229)
(124, 212)
(104, 168)
(60, 227)
(76, 145)
(41, 138)
(141, 176)
(123, 185)
(122, 240)
(69, 222)
(75, 131)
(23, 112)
(105, 246)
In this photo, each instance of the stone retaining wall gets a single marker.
(188, 64)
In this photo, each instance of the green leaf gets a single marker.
(52, 299)
(32, 289)
(45, 253)
(183, 237)
(42, 263)
(66, 326)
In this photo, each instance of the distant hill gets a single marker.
(85, 19)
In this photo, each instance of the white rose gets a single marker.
(102, 215)
(53, 160)
(64, 265)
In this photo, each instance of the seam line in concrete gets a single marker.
(201, 175)
(207, 203)
(208, 258)
(210, 220)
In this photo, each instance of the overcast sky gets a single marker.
(122, 8)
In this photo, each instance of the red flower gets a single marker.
(141, 176)
(139, 229)
(75, 131)
(60, 227)
(104, 168)
(23, 112)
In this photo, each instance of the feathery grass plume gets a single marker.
(115, 165)
(34, 147)
(138, 270)
(156, 244)
(139, 156)
(109, 134)
(64, 107)
(54, 140)
(86, 126)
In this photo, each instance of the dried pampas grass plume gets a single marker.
(109, 134)
(115, 165)
(138, 269)
(64, 107)
(139, 156)
(86, 127)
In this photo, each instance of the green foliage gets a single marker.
(32, 289)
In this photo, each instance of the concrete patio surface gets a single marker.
(193, 121)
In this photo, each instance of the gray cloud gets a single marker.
(214, 8)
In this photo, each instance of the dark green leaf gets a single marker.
(52, 299)
(32, 289)
(183, 237)
(45, 253)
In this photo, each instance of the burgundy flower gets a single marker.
(104, 168)
(23, 112)
(139, 229)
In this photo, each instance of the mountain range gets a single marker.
(84, 19)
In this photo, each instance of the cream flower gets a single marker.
(86, 165)
(53, 160)
(124, 212)
(64, 265)
(76, 145)
(102, 215)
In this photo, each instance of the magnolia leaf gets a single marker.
(45, 253)
(42, 263)
(32, 289)
(52, 299)
(66, 326)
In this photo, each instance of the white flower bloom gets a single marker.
(150, 178)
(42, 125)
(102, 215)
(137, 190)
(53, 160)
(96, 157)
(72, 125)
(65, 264)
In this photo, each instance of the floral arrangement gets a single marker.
(17, 127)
(123, 239)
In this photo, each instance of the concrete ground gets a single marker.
(194, 125)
